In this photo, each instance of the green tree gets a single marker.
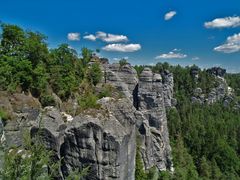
(86, 56)
(13, 40)
(36, 48)
(140, 173)
(94, 74)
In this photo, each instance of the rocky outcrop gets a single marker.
(151, 95)
(152, 115)
(168, 85)
(106, 144)
(221, 92)
(103, 139)
(217, 71)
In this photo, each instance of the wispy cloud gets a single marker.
(231, 45)
(106, 37)
(170, 15)
(73, 36)
(176, 50)
(195, 58)
(118, 59)
(226, 22)
(90, 37)
(171, 55)
(122, 47)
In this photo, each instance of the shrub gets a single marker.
(122, 63)
(88, 100)
(3, 115)
(107, 91)
(47, 100)
(33, 161)
(94, 74)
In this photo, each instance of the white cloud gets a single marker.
(90, 37)
(122, 47)
(111, 37)
(73, 36)
(226, 22)
(231, 45)
(176, 50)
(106, 37)
(195, 58)
(118, 59)
(170, 15)
(171, 55)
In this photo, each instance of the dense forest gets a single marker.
(205, 139)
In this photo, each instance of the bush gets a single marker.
(47, 100)
(87, 101)
(122, 63)
(34, 161)
(94, 74)
(3, 115)
(107, 91)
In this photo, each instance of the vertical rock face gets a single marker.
(168, 84)
(106, 144)
(150, 95)
(153, 97)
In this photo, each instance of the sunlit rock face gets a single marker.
(104, 140)
(151, 94)
(153, 97)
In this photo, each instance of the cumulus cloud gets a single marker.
(90, 37)
(107, 37)
(226, 22)
(231, 45)
(170, 15)
(73, 36)
(111, 37)
(122, 47)
(171, 55)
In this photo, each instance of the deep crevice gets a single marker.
(135, 98)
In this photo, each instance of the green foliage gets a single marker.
(94, 74)
(122, 63)
(13, 40)
(204, 138)
(183, 162)
(26, 64)
(3, 115)
(29, 162)
(47, 100)
(77, 174)
(41, 78)
(233, 81)
(34, 161)
(140, 173)
(86, 56)
(165, 175)
(107, 91)
(88, 101)
(139, 69)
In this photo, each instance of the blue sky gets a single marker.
(202, 32)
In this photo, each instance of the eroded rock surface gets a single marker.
(103, 139)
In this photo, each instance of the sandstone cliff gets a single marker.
(104, 139)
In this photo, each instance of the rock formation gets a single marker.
(103, 139)
(220, 92)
